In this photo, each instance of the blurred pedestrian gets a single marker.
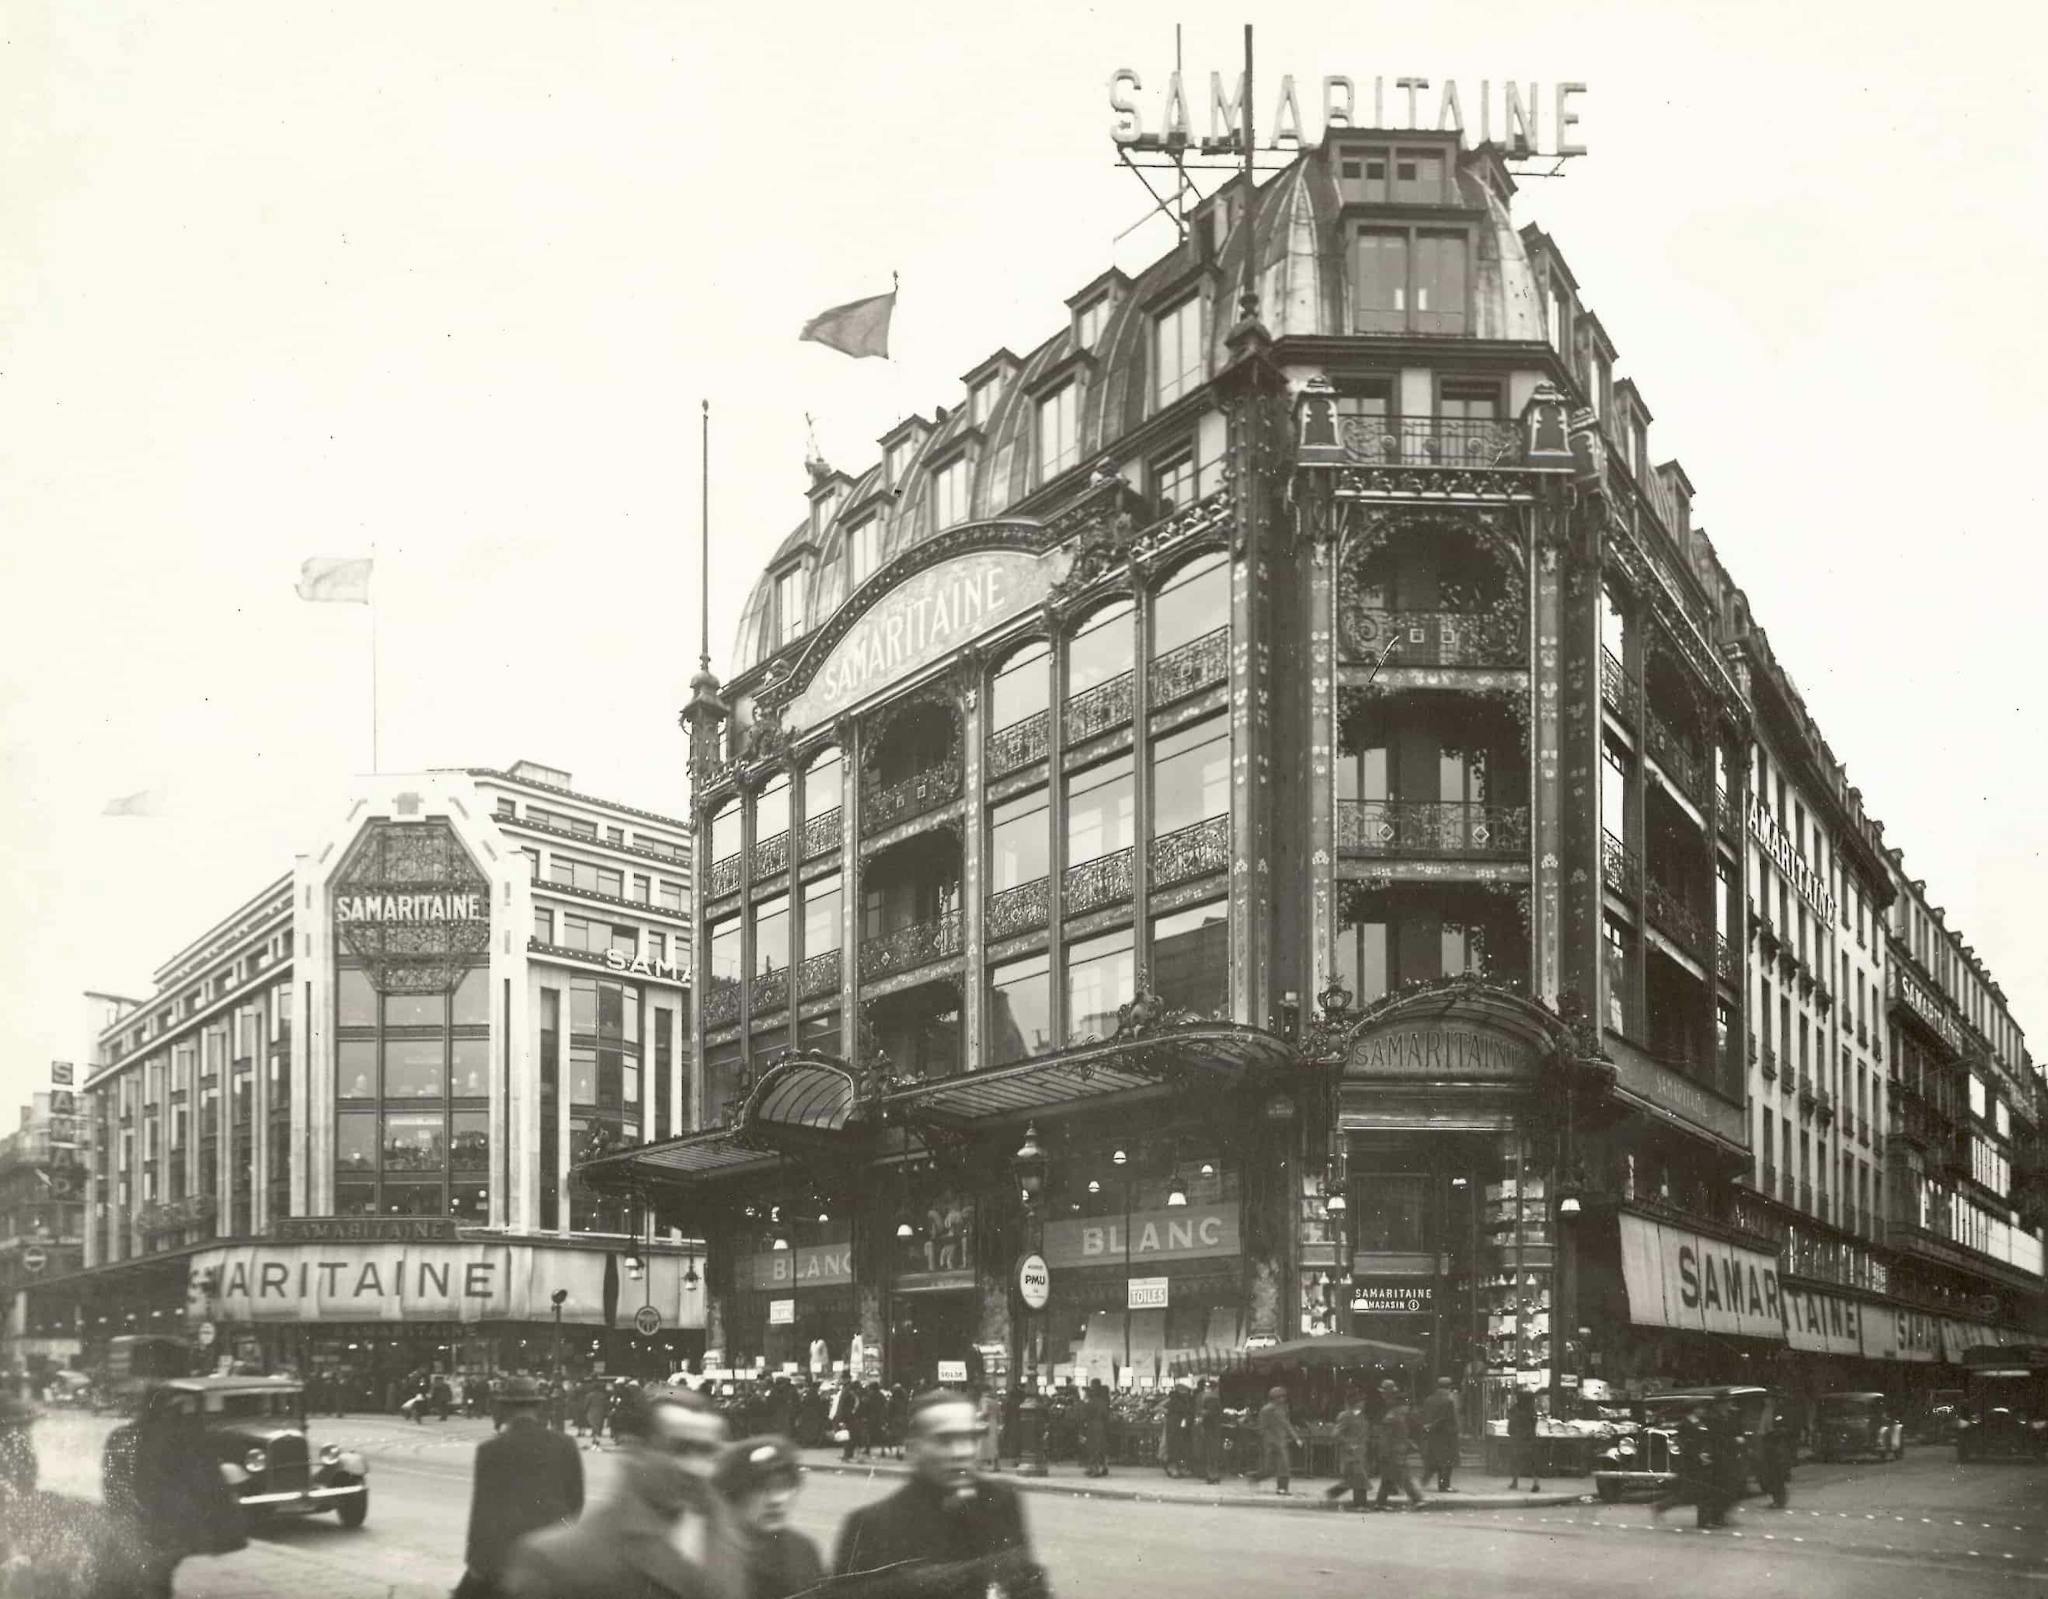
(845, 1416)
(1095, 1430)
(1395, 1436)
(1209, 1429)
(1522, 1441)
(1354, 1452)
(179, 1502)
(527, 1478)
(597, 1404)
(662, 1533)
(1180, 1417)
(1277, 1440)
(947, 1533)
(1440, 1434)
(759, 1479)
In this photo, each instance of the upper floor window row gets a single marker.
(1409, 280)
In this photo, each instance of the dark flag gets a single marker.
(860, 327)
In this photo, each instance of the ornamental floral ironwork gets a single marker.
(769, 991)
(883, 805)
(1011, 748)
(771, 857)
(1193, 851)
(724, 876)
(722, 1001)
(1021, 909)
(1466, 442)
(1106, 880)
(818, 975)
(1615, 686)
(1675, 919)
(1680, 764)
(1621, 869)
(1442, 828)
(1724, 959)
(821, 833)
(1195, 665)
(1098, 709)
(1490, 637)
(906, 949)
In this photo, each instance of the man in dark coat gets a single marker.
(1354, 1452)
(846, 1417)
(947, 1533)
(1095, 1430)
(1440, 1433)
(663, 1533)
(1180, 1417)
(759, 1478)
(526, 1478)
(1396, 1436)
(1277, 1440)
(1522, 1440)
(1209, 1430)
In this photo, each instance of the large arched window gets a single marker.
(725, 848)
(1192, 604)
(824, 794)
(1101, 649)
(771, 809)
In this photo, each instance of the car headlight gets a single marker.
(1625, 1448)
(254, 1461)
(1961, 1424)
(329, 1454)
(234, 1475)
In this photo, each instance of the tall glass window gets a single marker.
(1101, 650)
(1100, 806)
(1020, 841)
(822, 789)
(822, 927)
(1021, 687)
(1059, 416)
(771, 808)
(550, 1108)
(771, 935)
(1192, 604)
(1177, 349)
(1020, 1010)
(664, 1085)
(1190, 966)
(1190, 775)
(1099, 979)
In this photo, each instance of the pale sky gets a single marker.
(279, 280)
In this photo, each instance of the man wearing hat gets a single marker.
(1396, 1434)
(1277, 1440)
(759, 1478)
(527, 1477)
(1440, 1433)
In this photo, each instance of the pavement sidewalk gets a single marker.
(1471, 1490)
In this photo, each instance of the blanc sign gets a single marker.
(1183, 1233)
(925, 617)
(1520, 126)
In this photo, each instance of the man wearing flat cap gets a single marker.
(527, 1477)
(759, 1478)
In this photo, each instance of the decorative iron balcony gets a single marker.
(883, 805)
(1726, 966)
(1098, 709)
(724, 877)
(822, 832)
(818, 975)
(1021, 909)
(722, 1003)
(769, 991)
(906, 949)
(1449, 441)
(1106, 880)
(1193, 666)
(1011, 748)
(1437, 638)
(771, 857)
(1679, 763)
(1621, 869)
(1768, 1064)
(1192, 851)
(1824, 1105)
(1443, 829)
(1670, 915)
(1615, 687)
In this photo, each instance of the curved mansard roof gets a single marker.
(1304, 290)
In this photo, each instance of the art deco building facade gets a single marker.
(1262, 805)
(342, 1129)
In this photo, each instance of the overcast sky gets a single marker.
(279, 280)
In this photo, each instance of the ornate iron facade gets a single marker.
(1106, 880)
(1194, 666)
(906, 949)
(1442, 829)
(1022, 909)
(883, 805)
(1097, 710)
(1012, 748)
(1192, 851)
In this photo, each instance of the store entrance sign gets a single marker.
(1146, 1293)
(782, 1312)
(1677, 1278)
(1188, 1232)
(1393, 1298)
(1439, 1052)
(813, 1266)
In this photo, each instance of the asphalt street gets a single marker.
(1922, 1526)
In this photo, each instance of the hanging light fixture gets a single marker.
(904, 1229)
(1176, 1190)
(780, 1242)
(1208, 1168)
(1118, 1157)
(1094, 1186)
(823, 1214)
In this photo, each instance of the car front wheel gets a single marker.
(353, 1511)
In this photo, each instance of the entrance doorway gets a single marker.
(927, 1328)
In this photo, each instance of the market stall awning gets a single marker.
(1333, 1349)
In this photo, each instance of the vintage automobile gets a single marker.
(1649, 1457)
(2004, 1410)
(1848, 1424)
(256, 1427)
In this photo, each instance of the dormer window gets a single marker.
(949, 494)
(790, 590)
(1177, 349)
(1059, 416)
(1089, 320)
(900, 455)
(981, 401)
(1409, 280)
(864, 548)
(1378, 175)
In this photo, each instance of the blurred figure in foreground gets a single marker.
(527, 1478)
(760, 1478)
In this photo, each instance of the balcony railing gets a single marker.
(1448, 441)
(1436, 638)
(1615, 688)
(1447, 829)
(883, 805)
(722, 1003)
(724, 877)
(1193, 851)
(1106, 880)
(1768, 1064)
(1193, 666)
(1679, 763)
(1098, 709)
(771, 857)
(818, 975)
(1824, 1105)
(906, 949)
(1670, 915)
(769, 991)
(1022, 909)
(822, 832)
(1726, 965)
(1621, 869)
(1011, 748)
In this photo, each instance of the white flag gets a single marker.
(338, 578)
(143, 802)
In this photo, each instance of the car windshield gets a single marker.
(2002, 1390)
(1841, 1407)
(255, 1405)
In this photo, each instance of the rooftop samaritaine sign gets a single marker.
(412, 906)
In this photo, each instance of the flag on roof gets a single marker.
(339, 579)
(860, 327)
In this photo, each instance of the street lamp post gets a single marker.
(1029, 1166)
(1122, 1162)
(556, 1299)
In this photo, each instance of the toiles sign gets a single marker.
(924, 619)
(412, 906)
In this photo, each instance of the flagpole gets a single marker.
(704, 550)
(372, 587)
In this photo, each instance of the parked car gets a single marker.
(1650, 1457)
(1848, 1424)
(2005, 1403)
(257, 1429)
